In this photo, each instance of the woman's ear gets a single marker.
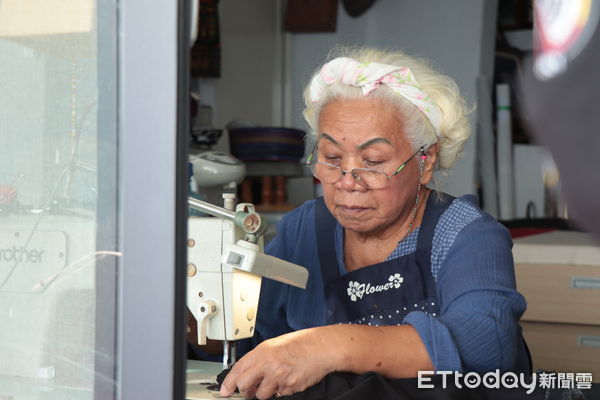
(430, 159)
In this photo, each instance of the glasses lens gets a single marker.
(326, 173)
(370, 179)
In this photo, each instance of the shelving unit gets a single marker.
(559, 275)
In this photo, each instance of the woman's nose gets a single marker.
(348, 182)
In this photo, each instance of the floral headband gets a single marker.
(368, 76)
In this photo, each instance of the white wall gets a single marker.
(456, 35)
(309, 50)
(249, 63)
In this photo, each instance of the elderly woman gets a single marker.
(402, 278)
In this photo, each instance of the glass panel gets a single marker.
(58, 214)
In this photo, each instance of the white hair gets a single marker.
(454, 129)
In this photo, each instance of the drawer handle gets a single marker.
(585, 283)
(589, 341)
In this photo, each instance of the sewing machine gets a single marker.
(226, 263)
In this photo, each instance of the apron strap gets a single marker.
(437, 204)
(325, 225)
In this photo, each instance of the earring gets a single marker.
(421, 168)
(414, 211)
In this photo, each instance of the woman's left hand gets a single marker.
(283, 365)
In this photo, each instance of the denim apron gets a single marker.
(383, 293)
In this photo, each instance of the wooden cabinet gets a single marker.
(564, 347)
(559, 275)
(560, 293)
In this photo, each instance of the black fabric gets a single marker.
(347, 386)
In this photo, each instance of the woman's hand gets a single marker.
(296, 361)
(284, 365)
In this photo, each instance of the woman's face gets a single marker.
(366, 133)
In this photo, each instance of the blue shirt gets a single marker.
(471, 262)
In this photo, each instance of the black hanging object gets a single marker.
(355, 8)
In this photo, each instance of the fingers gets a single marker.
(276, 366)
(246, 380)
(229, 383)
(266, 389)
(264, 384)
(253, 381)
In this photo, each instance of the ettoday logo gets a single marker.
(471, 380)
(509, 380)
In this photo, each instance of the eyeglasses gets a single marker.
(366, 177)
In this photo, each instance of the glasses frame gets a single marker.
(310, 164)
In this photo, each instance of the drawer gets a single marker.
(563, 347)
(560, 293)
